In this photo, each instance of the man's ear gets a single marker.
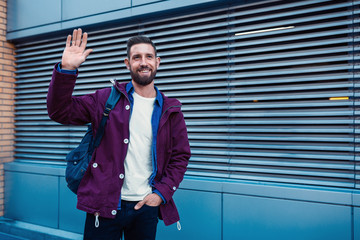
(158, 61)
(126, 61)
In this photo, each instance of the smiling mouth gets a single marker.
(144, 70)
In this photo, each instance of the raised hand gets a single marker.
(74, 53)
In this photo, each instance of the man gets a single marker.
(143, 154)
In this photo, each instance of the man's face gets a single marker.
(142, 63)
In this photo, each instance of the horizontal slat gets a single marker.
(283, 146)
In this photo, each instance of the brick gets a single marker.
(8, 79)
(7, 73)
(7, 125)
(9, 45)
(9, 68)
(6, 50)
(11, 57)
(8, 102)
(9, 113)
(6, 142)
(6, 96)
(6, 131)
(8, 149)
(4, 154)
(5, 61)
(4, 84)
(7, 89)
(4, 119)
(5, 107)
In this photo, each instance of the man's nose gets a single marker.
(143, 61)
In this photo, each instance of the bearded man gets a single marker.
(143, 155)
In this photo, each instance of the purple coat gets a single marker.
(100, 189)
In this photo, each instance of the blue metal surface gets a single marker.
(200, 217)
(29, 18)
(32, 198)
(70, 218)
(356, 218)
(24, 14)
(5, 236)
(140, 2)
(265, 218)
(82, 8)
(209, 209)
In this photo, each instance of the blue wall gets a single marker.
(30, 18)
(209, 209)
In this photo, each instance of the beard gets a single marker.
(143, 81)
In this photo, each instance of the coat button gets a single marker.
(127, 107)
(126, 141)
(95, 165)
(174, 188)
(121, 176)
(113, 212)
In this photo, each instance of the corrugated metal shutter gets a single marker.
(270, 90)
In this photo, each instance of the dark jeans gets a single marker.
(134, 224)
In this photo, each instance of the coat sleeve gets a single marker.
(62, 106)
(180, 154)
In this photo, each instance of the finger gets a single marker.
(139, 205)
(68, 40)
(84, 41)
(74, 37)
(78, 37)
(87, 52)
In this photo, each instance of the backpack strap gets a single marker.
(110, 104)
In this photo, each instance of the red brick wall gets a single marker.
(7, 90)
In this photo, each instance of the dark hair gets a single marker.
(137, 40)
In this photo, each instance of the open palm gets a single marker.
(74, 53)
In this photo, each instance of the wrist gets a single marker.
(59, 69)
(163, 201)
(67, 67)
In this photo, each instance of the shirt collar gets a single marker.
(159, 99)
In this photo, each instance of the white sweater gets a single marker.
(138, 165)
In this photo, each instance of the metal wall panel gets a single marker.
(140, 2)
(24, 14)
(32, 198)
(70, 218)
(200, 216)
(82, 8)
(269, 90)
(256, 218)
(356, 223)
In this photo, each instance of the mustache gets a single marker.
(144, 68)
